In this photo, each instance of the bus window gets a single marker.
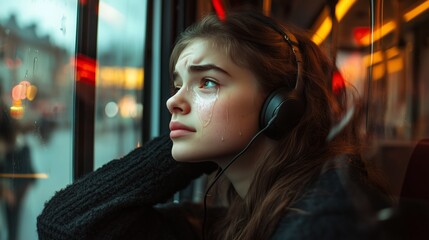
(37, 45)
(119, 82)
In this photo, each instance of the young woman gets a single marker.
(253, 98)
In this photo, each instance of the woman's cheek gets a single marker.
(214, 113)
(237, 118)
(205, 103)
(244, 117)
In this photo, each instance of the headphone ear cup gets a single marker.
(281, 112)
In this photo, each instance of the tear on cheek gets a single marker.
(205, 106)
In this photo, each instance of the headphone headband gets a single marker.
(284, 108)
(293, 43)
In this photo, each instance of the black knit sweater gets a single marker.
(116, 201)
(121, 201)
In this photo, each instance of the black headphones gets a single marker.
(283, 108)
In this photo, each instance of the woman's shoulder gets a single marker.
(336, 206)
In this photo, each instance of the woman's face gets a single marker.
(215, 111)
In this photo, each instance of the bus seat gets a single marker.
(416, 181)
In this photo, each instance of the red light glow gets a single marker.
(359, 33)
(85, 68)
(219, 9)
(337, 82)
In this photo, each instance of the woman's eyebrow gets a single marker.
(200, 68)
(207, 67)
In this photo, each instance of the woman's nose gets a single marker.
(178, 103)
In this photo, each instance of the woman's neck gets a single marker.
(242, 171)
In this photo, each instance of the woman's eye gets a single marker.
(208, 83)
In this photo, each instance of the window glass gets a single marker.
(119, 89)
(37, 42)
(391, 78)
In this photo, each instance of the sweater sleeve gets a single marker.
(108, 202)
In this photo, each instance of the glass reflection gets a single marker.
(384, 60)
(118, 116)
(36, 82)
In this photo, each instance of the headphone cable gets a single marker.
(221, 171)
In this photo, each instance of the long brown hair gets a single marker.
(298, 158)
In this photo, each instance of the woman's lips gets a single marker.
(180, 130)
